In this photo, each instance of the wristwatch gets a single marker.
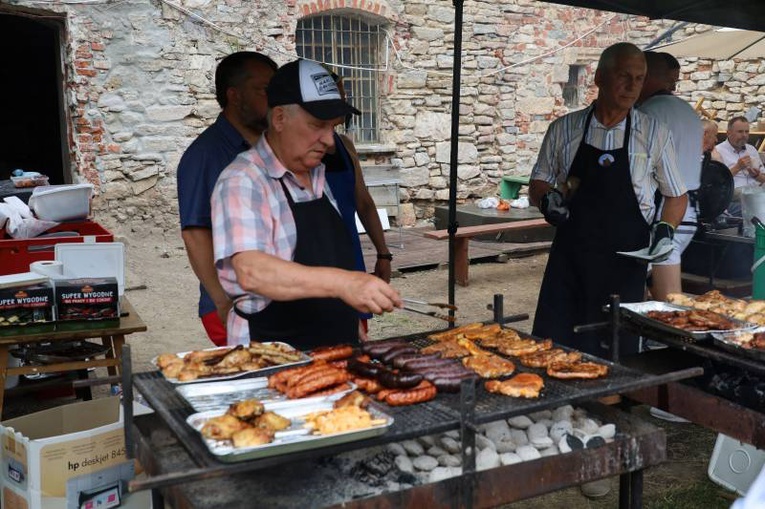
(384, 256)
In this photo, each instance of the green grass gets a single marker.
(703, 495)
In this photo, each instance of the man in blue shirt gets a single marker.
(240, 89)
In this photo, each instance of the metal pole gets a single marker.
(456, 79)
(499, 308)
(127, 401)
(615, 327)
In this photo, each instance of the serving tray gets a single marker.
(304, 359)
(726, 341)
(637, 312)
(293, 439)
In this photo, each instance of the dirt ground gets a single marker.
(163, 290)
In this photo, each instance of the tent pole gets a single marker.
(456, 79)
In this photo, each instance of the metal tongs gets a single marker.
(431, 313)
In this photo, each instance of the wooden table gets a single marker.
(111, 336)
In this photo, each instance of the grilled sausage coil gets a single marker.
(331, 353)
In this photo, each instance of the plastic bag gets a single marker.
(488, 203)
(19, 222)
(520, 203)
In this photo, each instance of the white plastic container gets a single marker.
(735, 465)
(61, 203)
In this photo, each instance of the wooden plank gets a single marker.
(482, 229)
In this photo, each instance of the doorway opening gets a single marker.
(33, 131)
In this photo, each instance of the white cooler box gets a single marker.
(735, 465)
(61, 203)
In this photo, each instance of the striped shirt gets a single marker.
(251, 213)
(653, 164)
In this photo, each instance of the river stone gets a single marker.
(509, 458)
(563, 413)
(426, 463)
(436, 451)
(404, 463)
(520, 422)
(449, 460)
(396, 448)
(546, 422)
(550, 451)
(427, 441)
(563, 445)
(505, 444)
(560, 428)
(497, 430)
(486, 459)
(542, 442)
(536, 430)
(484, 443)
(441, 473)
(607, 431)
(587, 425)
(579, 413)
(450, 444)
(413, 447)
(543, 414)
(453, 433)
(519, 437)
(528, 452)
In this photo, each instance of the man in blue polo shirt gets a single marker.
(240, 89)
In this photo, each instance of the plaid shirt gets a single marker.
(250, 213)
(653, 164)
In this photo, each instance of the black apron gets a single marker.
(583, 269)
(322, 241)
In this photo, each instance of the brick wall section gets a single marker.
(139, 87)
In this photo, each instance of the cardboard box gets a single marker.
(87, 299)
(24, 305)
(70, 452)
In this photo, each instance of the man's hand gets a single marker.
(553, 207)
(383, 269)
(223, 310)
(367, 293)
(661, 236)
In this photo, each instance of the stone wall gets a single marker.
(139, 86)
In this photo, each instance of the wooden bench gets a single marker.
(465, 233)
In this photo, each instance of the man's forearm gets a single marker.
(537, 189)
(281, 280)
(199, 247)
(674, 209)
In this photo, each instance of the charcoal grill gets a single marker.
(447, 412)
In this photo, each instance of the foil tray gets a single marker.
(637, 312)
(293, 439)
(725, 341)
(304, 359)
(219, 395)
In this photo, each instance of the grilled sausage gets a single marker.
(418, 394)
(450, 383)
(365, 369)
(333, 390)
(403, 360)
(368, 385)
(378, 348)
(327, 380)
(399, 380)
(331, 353)
(394, 352)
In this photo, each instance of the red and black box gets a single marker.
(25, 305)
(87, 299)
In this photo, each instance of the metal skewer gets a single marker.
(434, 304)
(432, 314)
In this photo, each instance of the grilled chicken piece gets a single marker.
(522, 385)
(223, 427)
(252, 437)
(246, 410)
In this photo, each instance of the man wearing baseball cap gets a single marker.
(281, 248)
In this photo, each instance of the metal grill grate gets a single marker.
(439, 415)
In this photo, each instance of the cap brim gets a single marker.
(327, 110)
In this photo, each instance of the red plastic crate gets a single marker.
(16, 255)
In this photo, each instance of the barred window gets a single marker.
(572, 92)
(352, 46)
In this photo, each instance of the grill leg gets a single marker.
(157, 500)
(631, 490)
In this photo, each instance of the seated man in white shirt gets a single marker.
(742, 159)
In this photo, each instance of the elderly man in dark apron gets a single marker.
(281, 248)
(595, 180)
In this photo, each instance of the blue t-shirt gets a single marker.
(198, 171)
